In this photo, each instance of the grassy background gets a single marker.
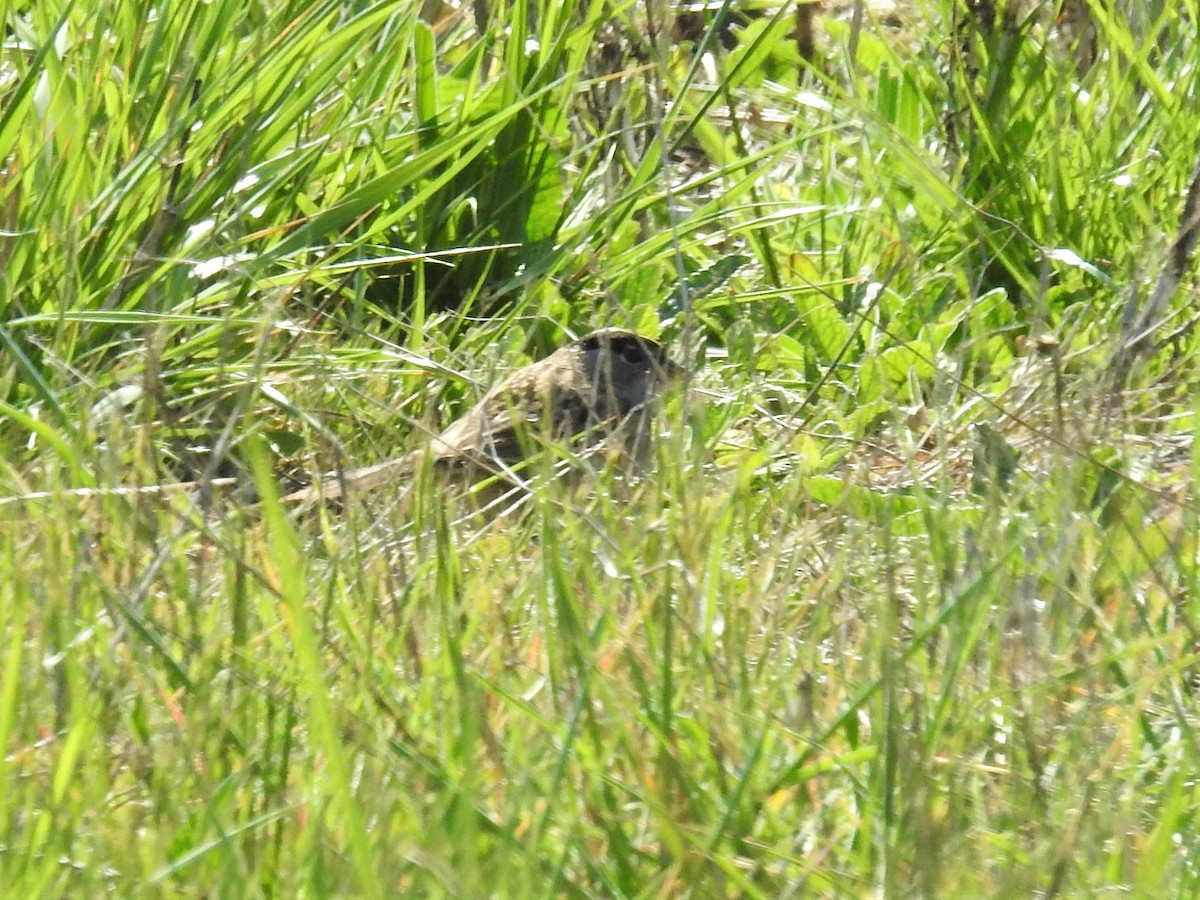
(909, 606)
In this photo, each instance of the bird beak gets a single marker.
(669, 370)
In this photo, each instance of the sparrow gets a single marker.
(599, 392)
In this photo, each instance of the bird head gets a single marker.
(627, 367)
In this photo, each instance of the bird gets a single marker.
(598, 392)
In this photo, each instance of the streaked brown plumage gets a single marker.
(600, 390)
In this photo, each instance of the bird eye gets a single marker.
(632, 352)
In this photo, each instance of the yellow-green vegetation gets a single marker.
(908, 606)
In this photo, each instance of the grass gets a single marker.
(907, 607)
